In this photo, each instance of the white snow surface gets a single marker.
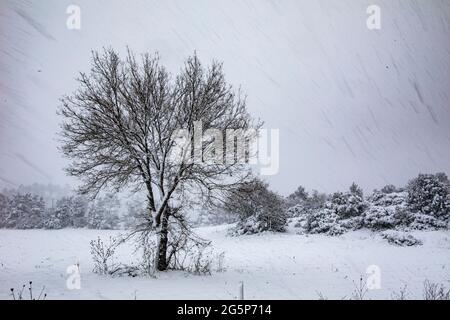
(272, 266)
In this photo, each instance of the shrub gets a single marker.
(380, 218)
(259, 223)
(259, 208)
(194, 256)
(342, 212)
(324, 221)
(386, 210)
(103, 255)
(147, 264)
(400, 238)
(348, 204)
(435, 291)
(421, 221)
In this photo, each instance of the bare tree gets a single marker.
(120, 131)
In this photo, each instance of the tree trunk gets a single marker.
(161, 254)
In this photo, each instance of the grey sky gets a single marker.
(351, 104)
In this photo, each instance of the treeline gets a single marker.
(27, 211)
(424, 203)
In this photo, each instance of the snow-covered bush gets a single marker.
(353, 223)
(259, 209)
(257, 224)
(299, 216)
(349, 204)
(342, 212)
(380, 218)
(324, 220)
(420, 221)
(386, 210)
(429, 201)
(400, 238)
(383, 199)
(429, 194)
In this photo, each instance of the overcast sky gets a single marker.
(352, 104)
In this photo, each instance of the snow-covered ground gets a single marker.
(272, 266)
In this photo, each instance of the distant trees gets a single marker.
(24, 211)
(48, 192)
(27, 211)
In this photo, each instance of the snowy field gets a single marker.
(272, 266)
